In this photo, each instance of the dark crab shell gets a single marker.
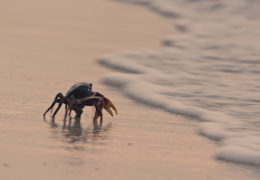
(80, 90)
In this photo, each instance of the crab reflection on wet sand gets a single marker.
(73, 135)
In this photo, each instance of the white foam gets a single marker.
(243, 149)
(145, 87)
(149, 94)
(126, 67)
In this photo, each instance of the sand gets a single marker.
(45, 47)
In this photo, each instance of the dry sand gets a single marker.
(45, 47)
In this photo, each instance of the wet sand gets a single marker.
(46, 47)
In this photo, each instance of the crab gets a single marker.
(79, 96)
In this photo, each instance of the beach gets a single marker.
(48, 46)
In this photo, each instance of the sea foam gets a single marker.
(209, 71)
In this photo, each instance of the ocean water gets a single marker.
(209, 70)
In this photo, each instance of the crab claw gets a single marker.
(108, 105)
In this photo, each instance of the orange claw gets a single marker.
(108, 105)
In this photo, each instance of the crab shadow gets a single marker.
(73, 135)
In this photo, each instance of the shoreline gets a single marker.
(41, 58)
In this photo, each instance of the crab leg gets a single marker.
(53, 103)
(59, 95)
(70, 112)
(58, 108)
(97, 101)
(66, 110)
(99, 107)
